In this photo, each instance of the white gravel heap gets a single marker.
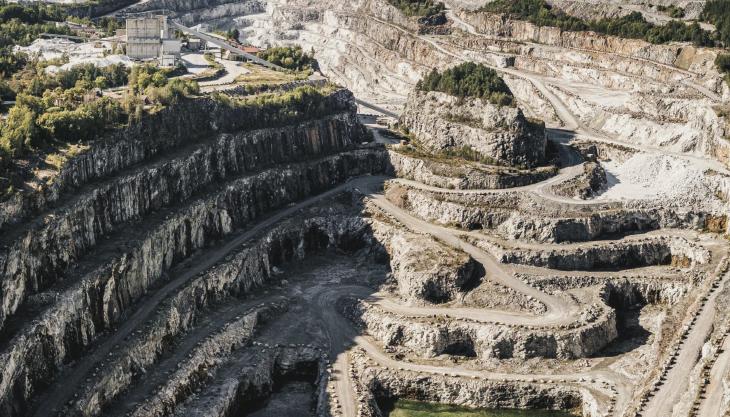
(48, 49)
(675, 181)
(100, 62)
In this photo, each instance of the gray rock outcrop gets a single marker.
(441, 122)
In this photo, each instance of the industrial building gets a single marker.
(149, 38)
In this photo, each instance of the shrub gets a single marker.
(723, 62)
(469, 80)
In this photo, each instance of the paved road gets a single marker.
(225, 45)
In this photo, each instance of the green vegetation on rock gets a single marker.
(65, 109)
(57, 117)
(469, 80)
(419, 8)
(632, 25)
(20, 25)
(299, 104)
(672, 10)
(289, 57)
(717, 12)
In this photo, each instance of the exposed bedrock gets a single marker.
(184, 123)
(632, 290)
(369, 55)
(387, 385)
(441, 122)
(530, 217)
(39, 253)
(462, 175)
(430, 338)
(424, 269)
(193, 12)
(683, 125)
(196, 369)
(699, 60)
(497, 296)
(96, 299)
(249, 268)
(251, 381)
(616, 255)
(586, 185)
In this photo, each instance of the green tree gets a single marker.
(20, 132)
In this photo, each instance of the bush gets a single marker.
(469, 80)
(723, 62)
(59, 116)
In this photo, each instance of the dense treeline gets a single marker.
(20, 25)
(34, 80)
(717, 12)
(632, 26)
(420, 8)
(469, 80)
(59, 116)
(292, 58)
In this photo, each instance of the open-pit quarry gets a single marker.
(564, 254)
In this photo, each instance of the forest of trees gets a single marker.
(469, 80)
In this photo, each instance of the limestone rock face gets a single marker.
(501, 133)
(477, 392)
(462, 176)
(426, 270)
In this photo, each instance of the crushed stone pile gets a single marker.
(674, 181)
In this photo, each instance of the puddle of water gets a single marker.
(406, 408)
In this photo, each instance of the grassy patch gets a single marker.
(259, 75)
